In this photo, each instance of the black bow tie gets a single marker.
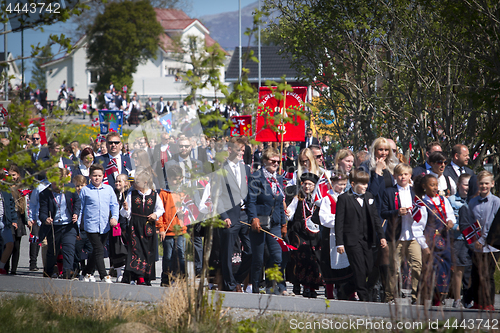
(362, 196)
(483, 200)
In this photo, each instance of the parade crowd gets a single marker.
(364, 225)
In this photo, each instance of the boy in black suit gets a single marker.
(396, 208)
(357, 227)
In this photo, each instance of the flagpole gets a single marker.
(282, 131)
(438, 217)
(267, 232)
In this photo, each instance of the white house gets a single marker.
(12, 71)
(155, 78)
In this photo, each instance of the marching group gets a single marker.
(359, 224)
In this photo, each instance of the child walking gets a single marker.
(98, 200)
(337, 272)
(431, 229)
(141, 208)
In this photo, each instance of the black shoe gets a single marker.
(306, 293)
(34, 269)
(413, 301)
(313, 294)
(296, 290)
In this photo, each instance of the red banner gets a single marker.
(32, 129)
(269, 106)
(242, 126)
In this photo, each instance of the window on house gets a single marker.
(192, 43)
(93, 77)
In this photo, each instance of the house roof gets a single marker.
(274, 65)
(174, 19)
(170, 19)
(2, 55)
(75, 46)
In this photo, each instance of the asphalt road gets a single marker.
(27, 282)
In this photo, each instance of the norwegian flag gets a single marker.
(95, 122)
(284, 246)
(190, 210)
(100, 138)
(472, 233)
(287, 176)
(105, 180)
(415, 212)
(112, 167)
(33, 238)
(25, 192)
(321, 189)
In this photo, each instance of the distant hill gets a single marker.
(224, 26)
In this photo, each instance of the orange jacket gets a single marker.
(169, 218)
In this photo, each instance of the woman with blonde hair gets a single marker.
(344, 161)
(307, 163)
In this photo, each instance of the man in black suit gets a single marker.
(160, 106)
(357, 226)
(183, 159)
(60, 210)
(231, 190)
(459, 161)
(124, 165)
(422, 168)
(39, 153)
(309, 140)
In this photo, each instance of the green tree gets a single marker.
(38, 74)
(121, 38)
(97, 7)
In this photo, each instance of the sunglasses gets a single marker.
(304, 161)
(441, 162)
(318, 156)
(184, 146)
(35, 139)
(274, 161)
(114, 142)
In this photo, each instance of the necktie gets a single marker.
(462, 170)
(236, 170)
(483, 200)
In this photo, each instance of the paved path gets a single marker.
(33, 283)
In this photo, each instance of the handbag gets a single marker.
(117, 230)
(265, 221)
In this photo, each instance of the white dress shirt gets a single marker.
(406, 220)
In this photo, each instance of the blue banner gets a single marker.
(166, 121)
(111, 121)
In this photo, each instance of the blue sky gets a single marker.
(208, 7)
(198, 8)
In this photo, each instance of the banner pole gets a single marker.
(282, 131)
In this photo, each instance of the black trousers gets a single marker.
(34, 247)
(483, 282)
(65, 236)
(229, 236)
(97, 257)
(361, 260)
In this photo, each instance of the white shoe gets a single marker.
(107, 279)
(133, 283)
(89, 278)
(249, 289)
(119, 279)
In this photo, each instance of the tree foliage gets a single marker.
(97, 7)
(38, 74)
(413, 70)
(31, 15)
(121, 38)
